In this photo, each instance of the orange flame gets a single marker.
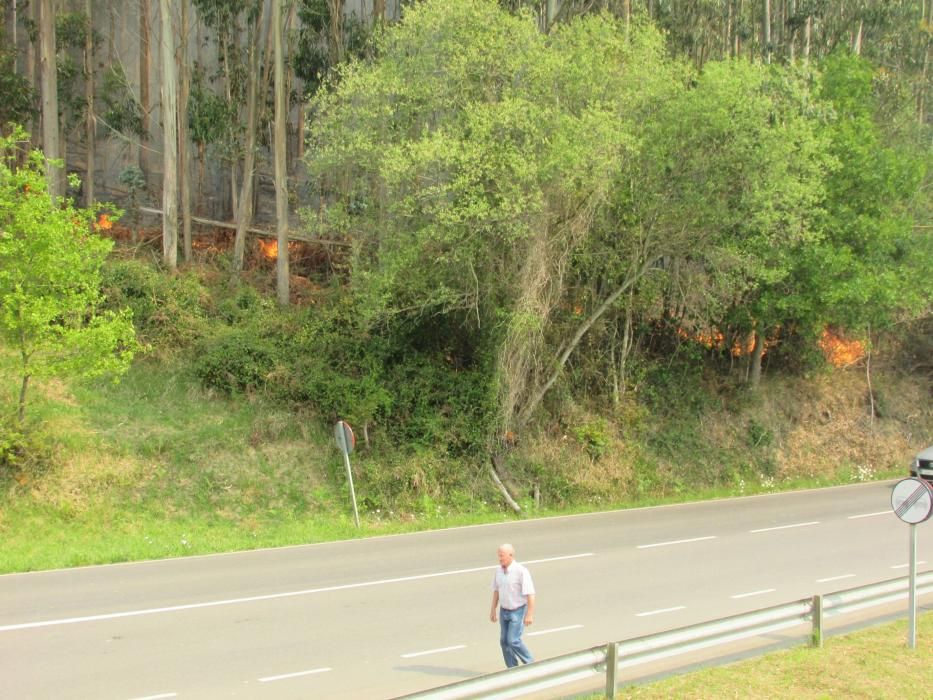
(838, 351)
(715, 340)
(103, 223)
(270, 249)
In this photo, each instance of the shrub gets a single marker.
(23, 454)
(168, 311)
(235, 360)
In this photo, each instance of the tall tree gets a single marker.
(169, 141)
(90, 116)
(184, 167)
(512, 150)
(281, 171)
(145, 70)
(256, 87)
(50, 300)
(51, 141)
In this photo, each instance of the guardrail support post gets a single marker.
(816, 635)
(612, 667)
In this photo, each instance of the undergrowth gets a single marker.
(205, 447)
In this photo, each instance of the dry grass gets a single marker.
(832, 425)
(871, 664)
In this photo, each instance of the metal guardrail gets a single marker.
(606, 660)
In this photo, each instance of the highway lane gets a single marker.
(385, 616)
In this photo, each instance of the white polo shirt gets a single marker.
(514, 586)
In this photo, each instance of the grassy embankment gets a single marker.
(870, 664)
(155, 466)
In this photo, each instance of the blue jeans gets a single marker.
(511, 626)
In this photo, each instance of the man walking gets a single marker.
(513, 598)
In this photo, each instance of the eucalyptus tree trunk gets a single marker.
(335, 41)
(9, 19)
(145, 69)
(32, 70)
(807, 35)
(766, 33)
(245, 210)
(184, 181)
(169, 142)
(48, 73)
(91, 120)
(281, 171)
(552, 9)
(234, 188)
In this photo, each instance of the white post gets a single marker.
(912, 598)
(356, 514)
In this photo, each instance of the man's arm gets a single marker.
(493, 616)
(530, 610)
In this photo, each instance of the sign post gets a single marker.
(912, 502)
(345, 442)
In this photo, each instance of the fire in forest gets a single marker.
(839, 351)
(269, 249)
(715, 340)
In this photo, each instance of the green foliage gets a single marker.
(122, 111)
(314, 58)
(593, 436)
(169, 312)
(435, 406)
(52, 311)
(465, 190)
(242, 304)
(210, 118)
(23, 453)
(872, 267)
(235, 360)
(17, 96)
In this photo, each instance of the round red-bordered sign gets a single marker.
(346, 440)
(912, 500)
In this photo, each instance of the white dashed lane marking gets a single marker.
(414, 654)
(297, 674)
(550, 631)
(834, 578)
(871, 515)
(753, 593)
(666, 544)
(784, 527)
(661, 611)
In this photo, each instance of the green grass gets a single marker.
(156, 467)
(873, 663)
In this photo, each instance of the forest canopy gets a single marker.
(549, 205)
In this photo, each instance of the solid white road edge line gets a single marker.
(270, 596)
(662, 610)
(413, 654)
(556, 629)
(158, 697)
(871, 515)
(284, 676)
(665, 544)
(906, 566)
(785, 527)
(752, 593)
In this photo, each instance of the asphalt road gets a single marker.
(382, 617)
